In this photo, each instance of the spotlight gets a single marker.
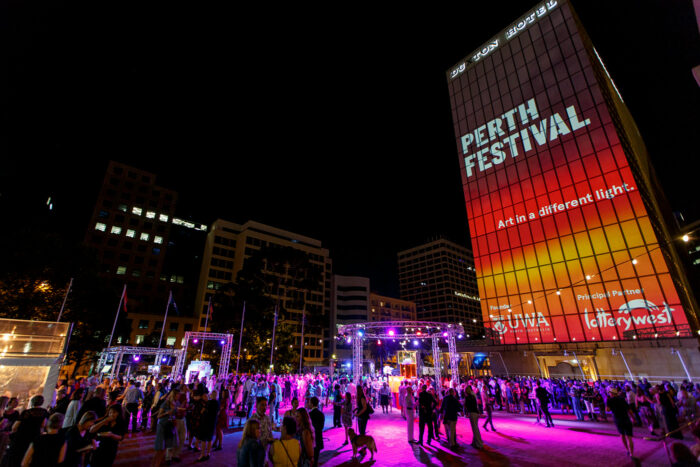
(415, 343)
(164, 359)
(360, 334)
(136, 358)
(460, 336)
(444, 334)
(379, 342)
(195, 341)
(221, 342)
(391, 332)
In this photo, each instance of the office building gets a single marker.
(439, 278)
(568, 223)
(350, 297)
(383, 308)
(229, 245)
(140, 242)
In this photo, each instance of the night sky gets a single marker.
(334, 124)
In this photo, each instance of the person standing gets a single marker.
(337, 406)
(575, 395)
(426, 406)
(450, 409)
(286, 451)
(132, 397)
(27, 428)
(79, 442)
(110, 431)
(402, 396)
(487, 404)
(471, 407)
(318, 420)
(250, 452)
(346, 415)
(264, 421)
(543, 397)
(621, 415)
(409, 407)
(165, 428)
(384, 394)
(362, 410)
(146, 405)
(76, 402)
(48, 449)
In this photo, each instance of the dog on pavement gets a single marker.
(359, 441)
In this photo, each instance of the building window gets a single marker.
(170, 341)
(136, 273)
(144, 236)
(163, 218)
(188, 327)
(116, 230)
(156, 251)
(174, 327)
(122, 207)
(151, 215)
(100, 226)
(131, 233)
(157, 239)
(121, 270)
(139, 338)
(136, 210)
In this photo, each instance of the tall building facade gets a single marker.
(350, 298)
(141, 243)
(227, 247)
(439, 278)
(569, 232)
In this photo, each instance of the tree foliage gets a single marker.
(271, 278)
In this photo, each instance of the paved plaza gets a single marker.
(518, 441)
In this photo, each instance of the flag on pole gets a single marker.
(172, 301)
(124, 298)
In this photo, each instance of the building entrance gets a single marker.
(568, 365)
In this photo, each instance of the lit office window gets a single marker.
(122, 207)
(163, 218)
(139, 339)
(100, 226)
(130, 233)
(116, 230)
(137, 211)
(144, 236)
(170, 341)
(151, 214)
(157, 239)
(121, 270)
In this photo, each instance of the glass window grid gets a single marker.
(586, 105)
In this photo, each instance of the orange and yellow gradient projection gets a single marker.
(564, 248)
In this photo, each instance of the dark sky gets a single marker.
(332, 123)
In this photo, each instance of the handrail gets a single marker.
(665, 437)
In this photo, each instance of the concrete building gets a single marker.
(573, 246)
(383, 308)
(140, 241)
(350, 297)
(439, 277)
(227, 247)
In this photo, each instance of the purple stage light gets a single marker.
(165, 359)
(221, 342)
(136, 358)
(391, 332)
(195, 341)
(444, 334)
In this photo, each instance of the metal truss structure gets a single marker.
(435, 331)
(117, 353)
(225, 351)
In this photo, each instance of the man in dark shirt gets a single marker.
(29, 426)
(426, 405)
(543, 396)
(317, 420)
(450, 409)
(621, 414)
(96, 404)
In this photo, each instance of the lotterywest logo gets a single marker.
(494, 141)
(648, 314)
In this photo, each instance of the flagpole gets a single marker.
(170, 299)
(240, 339)
(60, 313)
(206, 323)
(117, 317)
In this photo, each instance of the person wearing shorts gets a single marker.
(621, 415)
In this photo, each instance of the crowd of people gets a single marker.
(284, 419)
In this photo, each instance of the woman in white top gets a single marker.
(76, 402)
